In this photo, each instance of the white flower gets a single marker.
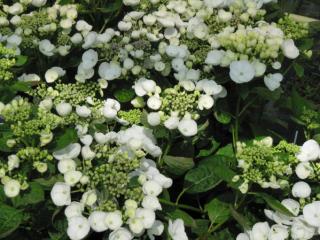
(124, 26)
(89, 59)
(15, 9)
(152, 188)
(154, 118)
(83, 26)
(301, 230)
(46, 48)
(83, 111)
(172, 122)
(136, 225)
(205, 102)
(53, 74)
(121, 234)
(72, 177)
(13, 162)
(32, 77)
(214, 3)
(151, 202)
(260, 231)
(60, 194)
(214, 57)
(111, 108)
(311, 214)
(14, 41)
(64, 109)
(89, 198)
(71, 151)
(289, 49)
(144, 86)
(113, 220)
(301, 190)
(131, 2)
(78, 228)
(164, 181)
(278, 232)
(188, 127)
(304, 170)
(241, 71)
(89, 40)
(86, 139)
(224, 16)
(109, 71)
(260, 68)
(87, 153)
(156, 229)
(66, 23)
(76, 38)
(292, 205)
(12, 188)
(97, 221)
(147, 217)
(75, 209)
(309, 151)
(272, 81)
(242, 236)
(66, 165)
(176, 230)
(154, 102)
(149, 19)
(39, 3)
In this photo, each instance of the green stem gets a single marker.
(180, 206)
(180, 195)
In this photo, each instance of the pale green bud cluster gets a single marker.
(178, 100)
(293, 29)
(268, 166)
(73, 93)
(250, 44)
(38, 157)
(16, 111)
(43, 122)
(7, 61)
(132, 116)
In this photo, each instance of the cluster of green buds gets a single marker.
(17, 110)
(39, 158)
(7, 61)
(177, 99)
(73, 93)
(293, 29)
(113, 176)
(266, 165)
(42, 124)
(132, 116)
(249, 44)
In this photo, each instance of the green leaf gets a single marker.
(222, 117)
(243, 221)
(67, 137)
(124, 95)
(21, 60)
(208, 152)
(201, 179)
(226, 151)
(218, 211)
(266, 94)
(298, 69)
(274, 204)
(10, 219)
(178, 165)
(202, 226)
(20, 87)
(187, 219)
(34, 195)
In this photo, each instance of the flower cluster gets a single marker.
(303, 222)
(119, 186)
(264, 164)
